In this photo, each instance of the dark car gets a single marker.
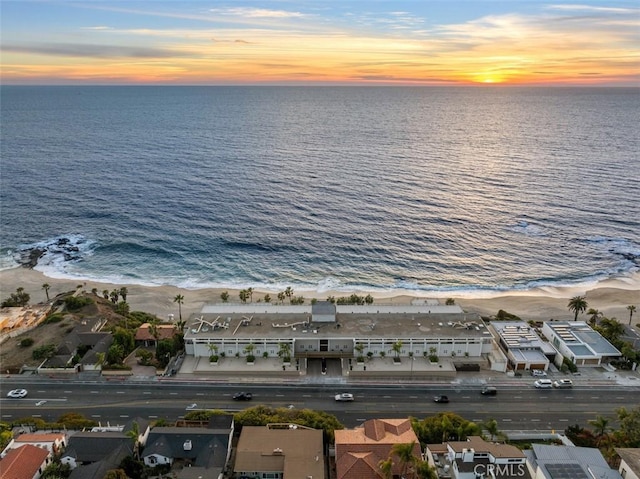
(489, 391)
(442, 399)
(242, 396)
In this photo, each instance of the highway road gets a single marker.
(515, 407)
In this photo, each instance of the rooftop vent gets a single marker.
(187, 445)
(277, 451)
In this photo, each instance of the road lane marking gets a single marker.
(506, 420)
(147, 392)
(120, 392)
(535, 420)
(563, 420)
(68, 392)
(123, 415)
(173, 394)
(95, 415)
(94, 392)
(153, 417)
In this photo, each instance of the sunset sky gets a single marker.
(284, 42)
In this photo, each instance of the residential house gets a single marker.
(279, 452)
(148, 334)
(476, 458)
(24, 462)
(360, 450)
(98, 469)
(203, 449)
(629, 462)
(52, 442)
(87, 447)
(525, 350)
(553, 462)
(576, 341)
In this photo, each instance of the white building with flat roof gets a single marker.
(576, 341)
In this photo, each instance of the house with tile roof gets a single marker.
(24, 462)
(476, 458)
(146, 336)
(280, 451)
(52, 442)
(360, 450)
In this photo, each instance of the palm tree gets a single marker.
(386, 466)
(105, 293)
(405, 456)
(123, 293)
(114, 295)
(134, 435)
(267, 298)
(601, 425)
(180, 300)
(281, 297)
(47, 286)
(491, 426)
(224, 296)
(631, 308)
(397, 347)
(595, 316)
(250, 293)
(288, 292)
(577, 305)
(285, 352)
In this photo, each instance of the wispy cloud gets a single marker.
(248, 12)
(591, 8)
(91, 51)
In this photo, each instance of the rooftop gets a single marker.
(277, 321)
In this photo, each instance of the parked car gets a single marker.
(489, 391)
(242, 396)
(344, 397)
(17, 393)
(539, 373)
(441, 399)
(563, 383)
(543, 384)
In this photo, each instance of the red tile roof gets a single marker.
(165, 331)
(23, 462)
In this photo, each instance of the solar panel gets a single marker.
(566, 471)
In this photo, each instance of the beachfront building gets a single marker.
(345, 332)
(576, 341)
(525, 350)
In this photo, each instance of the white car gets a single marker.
(543, 384)
(344, 397)
(563, 383)
(538, 372)
(17, 393)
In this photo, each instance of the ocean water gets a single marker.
(427, 190)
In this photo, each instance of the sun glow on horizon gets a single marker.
(169, 44)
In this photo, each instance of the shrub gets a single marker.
(44, 352)
(26, 342)
(53, 318)
(74, 303)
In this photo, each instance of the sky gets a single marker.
(300, 42)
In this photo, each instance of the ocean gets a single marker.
(425, 190)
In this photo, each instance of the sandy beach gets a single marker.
(611, 297)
